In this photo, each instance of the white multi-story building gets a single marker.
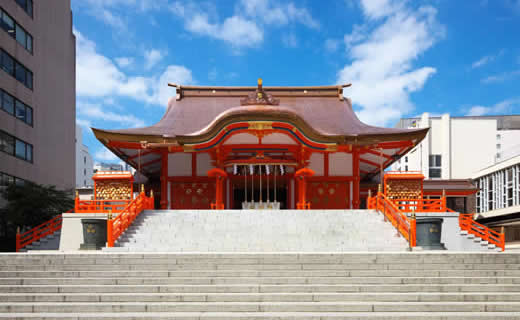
(84, 163)
(458, 147)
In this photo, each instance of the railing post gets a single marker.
(76, 201)
(18, 239)
(412, 239)
(110, 232)
(369, 199)
(151, 200)
(443, 202)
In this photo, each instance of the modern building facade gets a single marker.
(37, 93)
(84, 163)
(458, 147)
(498, 199)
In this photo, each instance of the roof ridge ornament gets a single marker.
(259, 97)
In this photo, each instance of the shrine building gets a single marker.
(260, 147)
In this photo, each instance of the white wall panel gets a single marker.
(340, 164)
(316, 164)
(179, 164)
(203, 164)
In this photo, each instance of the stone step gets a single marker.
(232, 280)
(355, 306)
(265, 288)
(262, 297)
(272, 315)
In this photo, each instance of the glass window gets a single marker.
(19, 182)
(29, 153)
(20, 36)
(6, 143)
(435, 173)
(29, 116)
(20, 149)
(8, 103)
(27, 5)
(7, 63)
(29, 43)
(7, 23)
(20, 73)
(29, 80)
(20, 110)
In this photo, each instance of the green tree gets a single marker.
(29, 205)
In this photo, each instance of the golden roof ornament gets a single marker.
(259, 97)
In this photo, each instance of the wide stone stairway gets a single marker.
(260, 231)
(408, 285)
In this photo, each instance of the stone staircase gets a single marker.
(260, 231)
(281, 286)
(50, 242)
(477, 244)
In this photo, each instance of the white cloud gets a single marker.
(502, 107)
(124, 62)
(486, 59)
(271, 12)
(93, 111)
(84, 123)
(246, 27)
(152, 57)
(332, 45)
(105, 155)
(289, 40)
(98, 77)
(381, 69)
(501, 77)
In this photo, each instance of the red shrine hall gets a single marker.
(260, 147)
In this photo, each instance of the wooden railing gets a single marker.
(467, 223)
(100, 206)
(404, 225)
(116, 226)
(38, 232)
(421, 205)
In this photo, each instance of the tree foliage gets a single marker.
(30, 204)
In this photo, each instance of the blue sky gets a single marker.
(402, 57)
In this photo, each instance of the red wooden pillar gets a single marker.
(220, 176)
(164, 180)
(300, 177)
(355, 174)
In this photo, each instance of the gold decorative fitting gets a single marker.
(259, 97)
(260, 125)
(186, 148)
(332, 148)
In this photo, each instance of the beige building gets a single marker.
(37, 92)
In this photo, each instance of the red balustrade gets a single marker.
(404, 225)
(38, 232)
(99, 206)
(116, 226)
(421, 205)
(467, 223)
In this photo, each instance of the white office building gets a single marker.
(84, 163)
(458, 147)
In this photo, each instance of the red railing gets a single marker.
(404, 225)
(100, 206)
(467, 223)
(421, 205)
(116, 226)
(38, 232)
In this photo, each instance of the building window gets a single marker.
(16, 31)
(84, 160)
(16, 108)
(435, 166)
(16, 69)
(16, 147)
(27, 6)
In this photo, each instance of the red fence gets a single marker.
(118, 225)
(404, 225)
(467, 223)
(99, 206)
(421, 205)
(38, 232)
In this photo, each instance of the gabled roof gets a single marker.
(324, 109)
